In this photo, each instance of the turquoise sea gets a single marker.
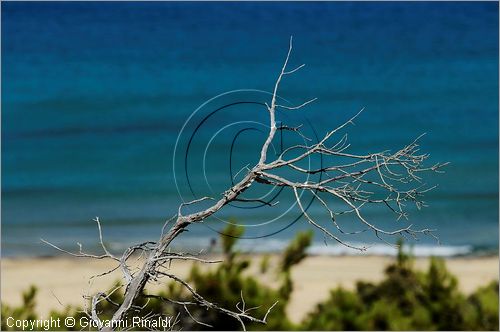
(95, 94)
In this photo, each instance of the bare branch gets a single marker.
(297, 107)
(294, 70)
(390, 180)
(296, 130)
(179, 213)
(80, 253)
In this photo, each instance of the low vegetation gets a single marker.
(406, 299)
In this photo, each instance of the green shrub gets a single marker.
(405, 300)
(408, 300)
(226, 284)
(485, 303)
(26, 311)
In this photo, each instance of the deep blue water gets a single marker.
(95, 94)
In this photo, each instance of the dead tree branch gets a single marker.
(382, 178)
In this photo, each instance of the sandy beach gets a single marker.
(62, 281)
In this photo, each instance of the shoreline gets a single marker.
(63, 280)
(268, 246)
(315, 249)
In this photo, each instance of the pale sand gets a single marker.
(63, 281)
